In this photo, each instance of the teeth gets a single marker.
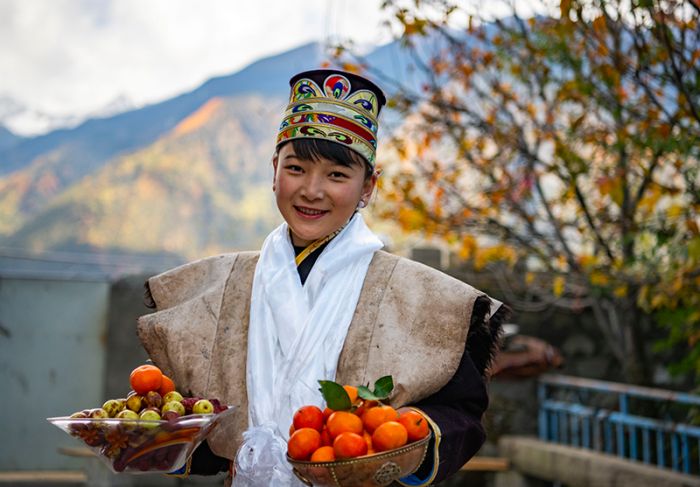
(309, 211)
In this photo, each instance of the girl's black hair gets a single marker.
(313, 149)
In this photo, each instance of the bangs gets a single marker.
(314, 149)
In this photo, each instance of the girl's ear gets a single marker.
(275, 160)
(368, 187)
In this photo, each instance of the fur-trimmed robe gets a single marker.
(411, 322)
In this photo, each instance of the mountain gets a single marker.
(8, 139)
(99, 139)
(119, 104)
(198, 189)
(39, 169)
(21, 119)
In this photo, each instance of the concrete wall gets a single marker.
(52, 362)
(125, 351)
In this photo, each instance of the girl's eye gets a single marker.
(293, 168)
(338, 175)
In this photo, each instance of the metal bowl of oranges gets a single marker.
(378, 469)
(357, 440)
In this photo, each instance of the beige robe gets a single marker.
(411, 322)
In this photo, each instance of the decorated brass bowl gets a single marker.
(142, 446)
(379, 469)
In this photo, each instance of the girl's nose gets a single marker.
(312, 188)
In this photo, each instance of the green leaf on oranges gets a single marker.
(335, 395)
(382, 389)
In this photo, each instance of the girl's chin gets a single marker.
(302, 239)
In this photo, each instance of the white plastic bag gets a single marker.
(261, 460)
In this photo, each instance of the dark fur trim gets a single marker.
(148, 297)
(484, 337)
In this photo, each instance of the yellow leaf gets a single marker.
(586, 260)
(531, 110)
(657, 300)
(599, 279)
(643, 297)
(677, 284)
(410, 219)
(529, 278)
(599, 25)
(352, 68)
(620, 291)
(675, 211)
(467, 248)
(558, 286)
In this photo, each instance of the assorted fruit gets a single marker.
(149, 434)
(355, 422)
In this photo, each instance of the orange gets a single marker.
(145, 378)
(323, 454)
(349, 445)
(352, 393)
(416, 425)
(327, 414)
(388, 436)
(291, 430)
(308, 417)
(326, 438)
(303, 443)
(363, 406)
(343, 422)
(167, 385)
(373, 417)
(368, 440)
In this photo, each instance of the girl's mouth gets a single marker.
(310, 212)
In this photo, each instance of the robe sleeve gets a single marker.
(455, 411)
(206, 462)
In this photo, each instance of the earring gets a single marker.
(361, 204)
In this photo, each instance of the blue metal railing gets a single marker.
(632, 422)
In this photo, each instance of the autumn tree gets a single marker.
(563, 151)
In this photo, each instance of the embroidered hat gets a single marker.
(334, 105)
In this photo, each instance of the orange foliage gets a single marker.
(199, 117)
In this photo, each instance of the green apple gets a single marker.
(113, 407)
(172, 396)
(175, 406)
(149, 415)
(203, 406)
(135, 402)
(129, 417)
(127, 414)
(78, 426)
(99, 413)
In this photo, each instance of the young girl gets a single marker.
(322, 301)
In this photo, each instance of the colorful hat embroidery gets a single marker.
(336, 106)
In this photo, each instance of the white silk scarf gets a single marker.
(296, 333)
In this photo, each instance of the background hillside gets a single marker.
(188, 175)
(196, 189)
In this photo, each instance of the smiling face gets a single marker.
(317, 196)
